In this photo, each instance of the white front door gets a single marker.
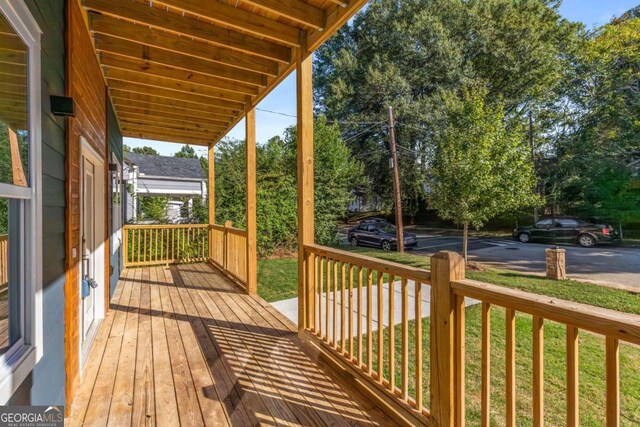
(88, 269)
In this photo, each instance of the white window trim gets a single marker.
(29, 349)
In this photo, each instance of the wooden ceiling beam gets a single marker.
(144, 14)
(107, 25)
(9, 69)
(159, 130)
(13, 57)
(226, 15)
(133, 50)
(295, 10)
(142, 107)
(160, 70)
(162, 115)
(145, 134)
(177, 126)
(173, 94)
(121, 96)
(161, 82)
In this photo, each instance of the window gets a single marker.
(20, 198)
(567, 223)
(545, 223)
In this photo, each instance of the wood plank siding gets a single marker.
(184, 345)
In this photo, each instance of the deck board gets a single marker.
(182, 345)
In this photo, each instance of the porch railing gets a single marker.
(361, 313)
(228, 250)
(165, 244)
(4, 255)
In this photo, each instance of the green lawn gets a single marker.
(278, 280)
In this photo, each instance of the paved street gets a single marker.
(607, 264)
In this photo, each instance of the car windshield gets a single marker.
(387, 228)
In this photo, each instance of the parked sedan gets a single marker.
(379, 235)
(567, 230)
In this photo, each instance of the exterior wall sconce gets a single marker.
(63, 106)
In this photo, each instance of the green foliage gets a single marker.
(187, 151)
(336, 173)
(405, 53)
(153, 208)
(144, 150)
(481, 168)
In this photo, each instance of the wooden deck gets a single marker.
(183, 346)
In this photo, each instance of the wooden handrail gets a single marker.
(623, 326)
(232, 230)
(389, 267)
(163, 226)
(157, 244)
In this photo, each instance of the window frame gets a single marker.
(23, 355)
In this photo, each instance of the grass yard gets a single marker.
(277, 280)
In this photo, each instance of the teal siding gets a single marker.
(45, 385)
(115, 147)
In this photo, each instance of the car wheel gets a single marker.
(354, 241)
(586, 241)
(386, 245)
(524, 237)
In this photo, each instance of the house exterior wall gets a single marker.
(114, 135)
(168, 187)
(46, 384)
(85, 84)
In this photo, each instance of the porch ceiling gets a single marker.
(188, 70)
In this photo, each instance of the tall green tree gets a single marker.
(403, 53)
(186, 151)
(481, 168)
(145, 150)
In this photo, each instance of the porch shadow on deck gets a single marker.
(183, 345)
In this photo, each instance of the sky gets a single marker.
(593, 13)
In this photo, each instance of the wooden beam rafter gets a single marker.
(124, 97)
(173, 94)
(193, 136)
(138, 51)
(161, 82)
(160, 116)
(107, 25)
(162, 110)
(241, 20)
(126, 119)
(143, 67)
(142, 134)
(167, 21)
(295, 10)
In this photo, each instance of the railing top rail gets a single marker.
(412, 273)
(142, 226)
(623, 326)
(231, 230)
(3, 237)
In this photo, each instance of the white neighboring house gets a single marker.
(161, 176)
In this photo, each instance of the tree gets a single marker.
(481, 167)
(187, 151)
(145, 150)
(154, 208)
(405, 53)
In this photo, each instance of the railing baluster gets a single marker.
(369, 321)
(380, 327)
(538, 371)
(486, 365)
(460, 362)
(350, 311)
(334, 338)
(613, 381)
(328, 299)
(572, 377)
(359, 321)
(418, 350)
(320, 288)
(343, 309)
(392, 335)
(405, 339)
(510, 320)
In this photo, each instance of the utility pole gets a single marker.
(396, 182)
(533, 161)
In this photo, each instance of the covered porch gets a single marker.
(183, 345)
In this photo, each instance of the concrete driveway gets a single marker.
(606, 264)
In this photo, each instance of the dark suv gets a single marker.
(567, 230)
(379, 234)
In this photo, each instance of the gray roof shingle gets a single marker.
(169, 167)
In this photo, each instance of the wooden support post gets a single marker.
(445, 268)
(252, 260)
(19, 177)
(211, 190)
(306, 286)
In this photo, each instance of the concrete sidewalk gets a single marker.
(289, 307)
